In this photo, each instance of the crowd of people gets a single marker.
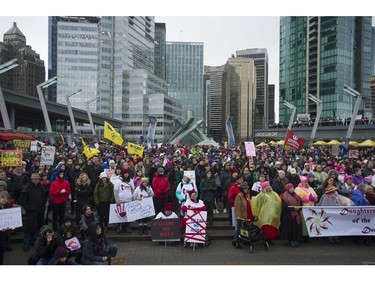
(68, 203)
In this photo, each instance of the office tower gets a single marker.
(30, 71)
(73, 52)
(240, 93)
(213, 103)
(260, 57)
(318, 56)
(271, 104)
(185, 76)
(160, 50)
(127, 83)
(372, 51)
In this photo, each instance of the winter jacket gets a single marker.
(182, 190)
(208, 190)
(123, 191)
(103, 193)
(160, 186)
(42, 248)
(95, 246)
(233, 191)
(358, 198)
(55, 191)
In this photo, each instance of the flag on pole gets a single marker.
(151, 130)
(293, 141)
(135, 149)
(230, 132)
(88, 151)
(111, 134)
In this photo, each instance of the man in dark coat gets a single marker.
(33, 199)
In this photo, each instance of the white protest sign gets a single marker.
(10, 218)
(339, 220)
(250, 148)
(47, 156)
(132, 211)
(195, 231)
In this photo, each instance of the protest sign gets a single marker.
(339, 220)
(73, 244)
(132, 211)
(250, 148)
(11, 158)
(195, 231)
(10, 218)
(23, 145)
(47, 156)
(165, 230)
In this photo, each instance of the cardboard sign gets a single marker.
(47, 156)
(11, 158)
(10, 218)
(165, 230)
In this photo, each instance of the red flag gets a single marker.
(293, 140)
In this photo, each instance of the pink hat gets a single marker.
(302, 178)
(288, 186)
(346, 177)
(368, 179)
(265, 184)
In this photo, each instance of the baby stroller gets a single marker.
(250, 233)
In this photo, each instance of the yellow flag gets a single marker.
(111, 134)
(88, 151)
(135, 149)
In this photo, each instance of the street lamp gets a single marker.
(39, 88)
(71, 111)
(4, 112)
(317, 118)
(358, 97)
(89, 114)
(293, 108)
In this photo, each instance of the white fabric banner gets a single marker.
(340, 220)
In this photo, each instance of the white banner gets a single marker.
(10, 218)
(47, 156)
(132, 211)
(195, 231)
(340, 221)
(250, 148)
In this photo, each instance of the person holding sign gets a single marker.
(143, 191)
(4, 235)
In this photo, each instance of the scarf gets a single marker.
(293, 200)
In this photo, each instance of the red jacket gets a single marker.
(160, 186)
(55, 191)
(233, 191)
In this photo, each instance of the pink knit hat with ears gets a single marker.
(265, 184)
(288, 186)
(302, 178)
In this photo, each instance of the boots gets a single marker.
(145, 229)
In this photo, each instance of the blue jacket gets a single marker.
(358, 198)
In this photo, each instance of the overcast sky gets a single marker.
(222, 29)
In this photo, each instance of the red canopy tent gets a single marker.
(5, 136)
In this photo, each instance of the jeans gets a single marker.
(29, 239)
(237, 228)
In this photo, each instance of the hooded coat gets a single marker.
(95, 246)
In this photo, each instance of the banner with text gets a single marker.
(165, 230)
(24, 145)
(293, 141)
(132, 211)
(135, 149)
(339, 221)
(11, 158)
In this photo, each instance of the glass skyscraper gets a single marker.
(185, 76)
(73, 58)
(318, 56)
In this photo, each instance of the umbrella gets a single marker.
(353, 143)
(271, 142)
(334, 142)
(261, 144)
(281, 142)
(320, 143)
(366, 143)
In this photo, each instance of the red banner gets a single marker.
(293, 141)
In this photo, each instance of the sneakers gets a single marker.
(216, 211)
(225, 211)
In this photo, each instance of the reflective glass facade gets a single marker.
(318, 56)
(73, 50)
(185, 76)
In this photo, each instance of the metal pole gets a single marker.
(45, 112)
(293, 108)
(72, 121)
(317, 118)
(353, 119)
(4, 112)
(90, 117)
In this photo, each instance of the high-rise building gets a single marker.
(240, 93)
(372, 51)
(260, 57)
(185, 76)
(213, 102)
(127, 83)
(160, 50)
(271, 104)
(318, 56)
(30, 71)
(372, 99)
(73, 58)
